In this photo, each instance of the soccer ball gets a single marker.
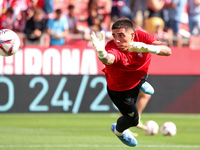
(9, 42)
(168, 128)
(152, 128)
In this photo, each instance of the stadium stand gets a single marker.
(81, 11)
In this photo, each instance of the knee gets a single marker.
(134, 121)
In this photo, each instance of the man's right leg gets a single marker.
(126, 103)
(145, 93)
(142, 102)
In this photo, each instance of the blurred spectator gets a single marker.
(136, 6)
(115, 9)
(30, 13)
(48, 6)
(137, 25)
(166, 12)
(108, 32)
(175, 10)
(35, 28)
(162, 35)
(3, 7)
(20, 23)
(57, 28)
(18, 6)
(72, 20)
(33, 4)
(7, 19)
(155, 15)
(194, 16)
(96, 27)
(93, 12)
(121, 8)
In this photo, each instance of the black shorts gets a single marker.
(126, 100)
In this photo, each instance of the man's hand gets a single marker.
(99, 44)
(138, 47)
(144, 48)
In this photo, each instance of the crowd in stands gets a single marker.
(51, 22)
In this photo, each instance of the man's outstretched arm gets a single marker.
(156, 47)
(99, 44)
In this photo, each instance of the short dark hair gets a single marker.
(71, 6)
(10, 10)
(123, 23)
(58, 11)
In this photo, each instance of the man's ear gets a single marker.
(132, 36)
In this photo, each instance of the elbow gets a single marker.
(169, 52)
(166, 52)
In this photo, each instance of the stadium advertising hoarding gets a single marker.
(56, 93)
(87, 93)
(51, 61)
(56, 79)
(69, 79)
(80, 59)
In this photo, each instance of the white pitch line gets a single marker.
(97, 146)
(172, 146)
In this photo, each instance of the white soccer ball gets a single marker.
(9, 42)
(168, 128)
(152, 128)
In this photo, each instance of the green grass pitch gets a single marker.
(91, 131)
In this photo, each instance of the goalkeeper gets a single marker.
(127, 58)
